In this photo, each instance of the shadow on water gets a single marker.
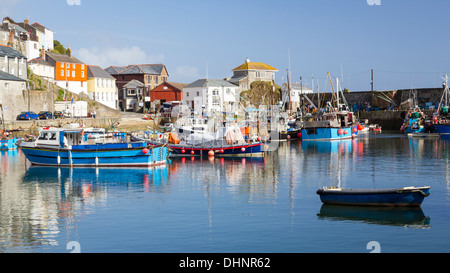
(410, 217)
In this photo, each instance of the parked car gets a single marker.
(58, 114)
(28, 116)
(45, 115)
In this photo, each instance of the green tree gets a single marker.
(58, 48)
(261, 93)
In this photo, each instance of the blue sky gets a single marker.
(406, 42)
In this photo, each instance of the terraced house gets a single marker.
(150, 75)
(70, 73)
(13, 62)
(101, 86)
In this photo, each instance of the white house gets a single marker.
(45, 36)
(296, 90)
(211, 96)
(42, 68)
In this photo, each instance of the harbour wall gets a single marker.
(384, 107)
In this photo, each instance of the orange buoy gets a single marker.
(211, 153)
(145, 150)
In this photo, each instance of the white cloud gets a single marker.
(105, 57)
(186, 71)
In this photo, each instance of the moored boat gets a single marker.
(441, 118)
(225, 142)
(9, 143)
(8, 139)
(67, 147)
(333, 123)
(397, 197)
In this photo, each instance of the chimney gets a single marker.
(69, 52)
(43, 56)
(26, 22)
(5, 24)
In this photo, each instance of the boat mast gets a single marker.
(289, 90)
(332, 90)
(444, 98)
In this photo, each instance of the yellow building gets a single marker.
(101, 86)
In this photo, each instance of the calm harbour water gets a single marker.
(231, 206)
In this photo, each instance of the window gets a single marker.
(228, 91)
(131, 92)
(82, 74)
(62, 65)
(82, 66)
(68, 73)
(187, 94)
(73, 73)
(260, 74)
(215, 92)
(62, 72)
(73, 66)
(198, 94)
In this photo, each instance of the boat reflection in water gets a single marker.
(329, 146)
(398, 216)
(97, 178)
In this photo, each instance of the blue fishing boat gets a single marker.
(399, 197)
(441, 118)
(414, 122)
(335, 122)
(8, 139)
(68, 147)
(8, 144)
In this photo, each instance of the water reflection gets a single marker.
(408, 217)
(39, 204)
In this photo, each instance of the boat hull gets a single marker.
(403, 197)
(248, 150)
(442, 128)
(291, 134)
(326, 133)
(100, 155)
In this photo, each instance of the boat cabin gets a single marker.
(59, 137)
(330, 119)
